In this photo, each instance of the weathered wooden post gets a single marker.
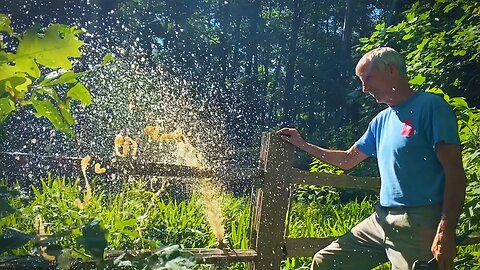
(271, 203)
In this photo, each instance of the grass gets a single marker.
(138, 218)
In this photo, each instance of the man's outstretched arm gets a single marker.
(343, 159)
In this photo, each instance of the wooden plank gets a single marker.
(305, 247)
(326, 179)
(270, 211)
(473, 238)
(159, 169)
(209, 255)
(203, 255)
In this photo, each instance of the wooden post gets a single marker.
(271, 203)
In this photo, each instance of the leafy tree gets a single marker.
(39, 73)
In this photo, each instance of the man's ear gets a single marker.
(392, 68)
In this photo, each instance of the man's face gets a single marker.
(377, 82)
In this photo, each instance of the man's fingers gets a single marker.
(285, 138)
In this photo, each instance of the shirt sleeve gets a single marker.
(444, 123)
(366, 144)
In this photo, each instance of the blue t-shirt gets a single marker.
(403, 139)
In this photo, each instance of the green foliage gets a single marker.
(128, 219)
(22, 73)
(168, 258)
(117, 222)
(319, 166)
(441, 40)
(14, 239)
(94, 239)
(5, 208)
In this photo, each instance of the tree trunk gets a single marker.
(347, 34)
(288, 100)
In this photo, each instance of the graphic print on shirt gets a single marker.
(408, 129)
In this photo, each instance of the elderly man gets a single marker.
(416, 143)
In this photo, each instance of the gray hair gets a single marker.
(380, 57)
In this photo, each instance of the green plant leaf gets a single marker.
(109, 57)
(5, 24)
(69, 77)
(7, 71)
(5, 208)
(95, 238)
(417, 80)
(459, 53)
(53, 50)
(6, 107)
(80, 92)
(46, 109)
(13, 240)
(66, 112)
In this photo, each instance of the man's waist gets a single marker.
(405, 208)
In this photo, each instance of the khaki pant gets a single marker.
(401, 235)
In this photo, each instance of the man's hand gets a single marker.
(292, 136)
(443, 248)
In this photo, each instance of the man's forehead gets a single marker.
(364, 68)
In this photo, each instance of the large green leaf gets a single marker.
(95, 238)
(8, 71)
(53, 50)
(80, 92)
(13, 240)
(46, 109)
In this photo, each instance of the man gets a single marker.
(416, 143)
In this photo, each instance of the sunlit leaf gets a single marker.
(407, 36)
(417, 80)
(8, 71)
(449, 7)
(5, 24)
(458, 102)
(80, 92)
(46, 109)
(69, 77)
(459, 53)
(364, 40)
(66, 112)
(423, 43)
(6, 107)
(108, 58)
(54, 49)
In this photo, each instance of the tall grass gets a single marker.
(138, 218)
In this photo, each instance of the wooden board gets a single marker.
(326, 179)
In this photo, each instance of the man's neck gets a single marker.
(402, 96)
